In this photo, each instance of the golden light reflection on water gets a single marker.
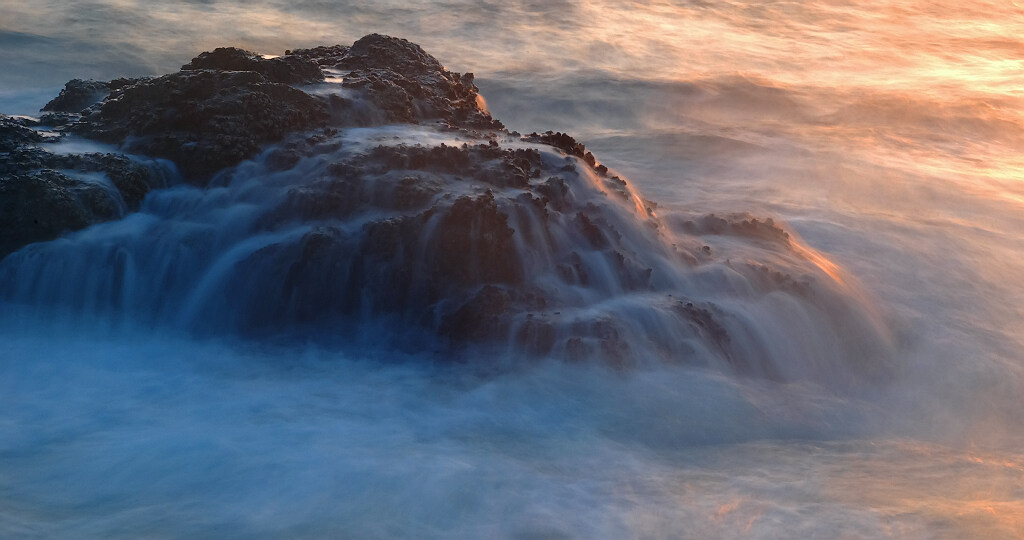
(887, 488)
(977, 495)
(838, 44)
(938, 70)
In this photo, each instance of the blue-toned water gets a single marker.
(885, 135)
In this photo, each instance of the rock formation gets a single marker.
(364, 185)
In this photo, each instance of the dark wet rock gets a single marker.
(404, 82)
(488, 313)
(594, 235)
(564, 142)
(41, 205)
(22, 159)
(322, 55)
(705, 321)
(448, 230)
(414, 192)
(58, 119)
(454, 258)
(24, 121)
(224, 105)
(377, 51)
(599, 339)
(630, 273)
(132, 179)
(555, 192)
(409, 263)
(43, 194)
(615, 184)
(122, 82)
(475, 244)
(514, 168)
(14, 134)
(77, 95)
(388, 272)
(345, 193)
(283, 69)
(771, 278)
(442, 158)
(737, 225)
(203, 120)
(573, 271)
(483, 162)
(311, 276)
(496, 240)
(326, 198)
(283, 159)
(482, 318)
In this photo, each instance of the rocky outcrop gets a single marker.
(736, 225)
(41, 205)
(14, 134)
(224, 105)
(203, 120)
(77, 95)
(222, 108)
(475, 243)
(45, 194)
(443, 247)
(282, 69)
(404, 82)
(326, 56)
(486, 241)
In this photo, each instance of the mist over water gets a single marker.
(886, 136)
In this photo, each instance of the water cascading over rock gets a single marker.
(362, 195)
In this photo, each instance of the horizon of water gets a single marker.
(886, 135)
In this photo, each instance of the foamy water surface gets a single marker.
(887, 135)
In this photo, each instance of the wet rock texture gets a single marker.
(43, 194)
(40, 205)
(202, 119)
(224, 105)
(475, 243)
(218, 110)
(77, 95)
(403, 81)
(285, 70)
(490, 239)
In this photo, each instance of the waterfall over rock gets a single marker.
(362, 194)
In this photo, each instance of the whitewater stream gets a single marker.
(886, 138)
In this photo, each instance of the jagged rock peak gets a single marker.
(282, 69)
(78, 94)
(405, 82)
(397, 54)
